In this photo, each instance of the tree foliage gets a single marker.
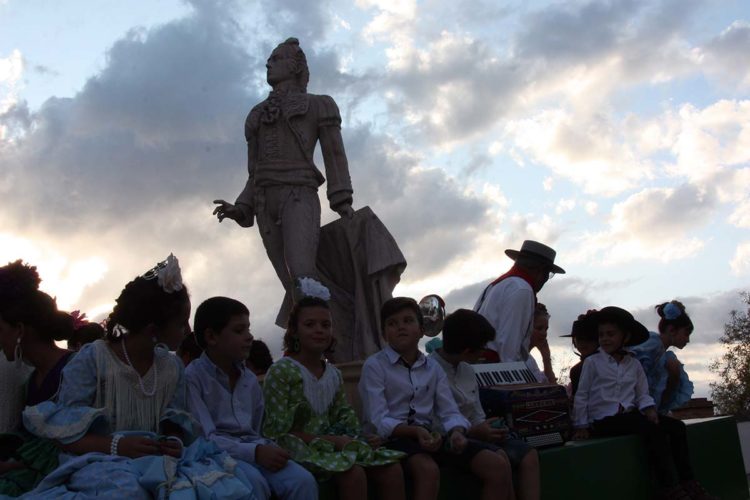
(731, 393)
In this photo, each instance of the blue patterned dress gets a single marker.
(100, 394)
(654, 359)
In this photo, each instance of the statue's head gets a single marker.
(288, 62)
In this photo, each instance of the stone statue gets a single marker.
(281, 192)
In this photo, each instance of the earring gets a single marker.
(295, 344)
(18, 354)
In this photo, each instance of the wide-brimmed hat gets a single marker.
(537, 251)
(622, 318)
(585, 328)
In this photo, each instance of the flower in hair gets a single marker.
(79, 319)
(671, 311)
(310, 287)
(168, 274)
(120, 331)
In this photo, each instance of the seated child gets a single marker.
(30, 325)
(189, 349)
(465, 334)
(120, 414)
(225, 397)
(585, 337)
(307, 412)
(668, 382)
(405, 395)
(259, 360)
(613, 400)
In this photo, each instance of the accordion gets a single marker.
(538, 413)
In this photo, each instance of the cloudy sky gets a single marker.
(617, 132)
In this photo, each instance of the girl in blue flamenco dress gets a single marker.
(668, 383)
(120, 417)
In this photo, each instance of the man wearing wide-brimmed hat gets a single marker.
(508, 302)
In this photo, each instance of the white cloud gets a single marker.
(565, 205)
(712, 139)
(740, 263)
(653, 224)
(11, 71)
(741, 215)
(586, 150)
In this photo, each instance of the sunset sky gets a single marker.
(617, 132)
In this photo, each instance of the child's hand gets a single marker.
(581, 434)
(171, 447)
(338, 441)
(428, 441)
(486, 431)
(651, 414)
(137, 446)
(375, 441)
(271, 457)
(457, 442)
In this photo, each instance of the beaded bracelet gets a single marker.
(113, 444)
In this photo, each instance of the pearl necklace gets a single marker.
(140, 379)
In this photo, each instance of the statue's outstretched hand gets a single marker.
(345, 211)
(225, 210)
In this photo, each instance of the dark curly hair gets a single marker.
(143, 302)
(260, 357)
(681, 321)
(21, 301)
(292, 324)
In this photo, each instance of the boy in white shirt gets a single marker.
(465, 334)
(403, 392)
(613, 400)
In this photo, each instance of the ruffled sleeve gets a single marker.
(649, 354)
(682, 393)
(72, 416)
(277, 388)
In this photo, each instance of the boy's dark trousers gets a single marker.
(666, 443)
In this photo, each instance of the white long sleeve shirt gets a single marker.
(393, 393)
(509, 307)
(608, 387)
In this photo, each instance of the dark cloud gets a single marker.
(308, 21)
(728, 55)
(457, 86)
(428, 213)
(127, 168)
(459, 92)
(574, 33)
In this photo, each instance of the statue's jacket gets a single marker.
(281, 134)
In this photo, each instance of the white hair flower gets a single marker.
(310, 287)
(168, 274)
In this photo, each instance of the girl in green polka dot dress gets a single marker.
(307, 412)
